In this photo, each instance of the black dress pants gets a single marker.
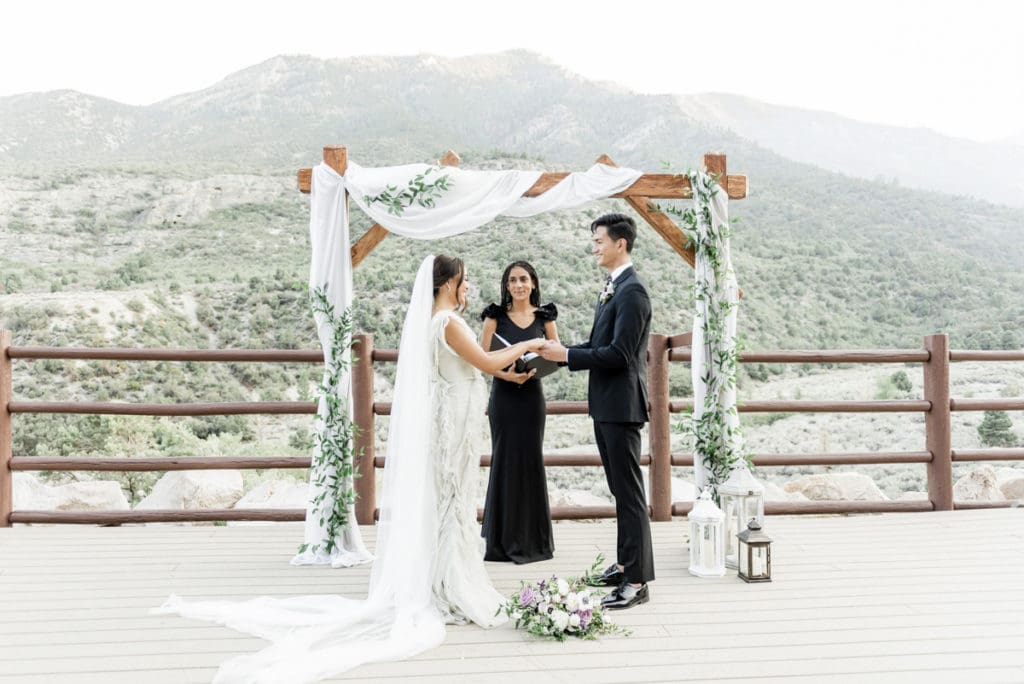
(619, 445)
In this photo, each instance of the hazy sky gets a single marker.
(956, 67)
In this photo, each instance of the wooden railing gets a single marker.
(937, 406)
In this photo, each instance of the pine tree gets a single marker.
(994, 430)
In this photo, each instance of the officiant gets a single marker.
(517, 518)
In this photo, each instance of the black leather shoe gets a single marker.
(611, 577)
(626, 596)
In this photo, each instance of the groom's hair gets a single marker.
(618, 227)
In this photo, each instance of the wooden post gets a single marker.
(659, 429)
(938, 437)
(6, 440)
(362, 415)
(714, 163)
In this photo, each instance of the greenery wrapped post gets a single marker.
(334, 457)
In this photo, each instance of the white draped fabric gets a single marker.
(728, 291)
(473, 199)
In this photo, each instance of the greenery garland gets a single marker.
(419, 190)
(716, 432)
(335, 460)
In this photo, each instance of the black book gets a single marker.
(528, 361)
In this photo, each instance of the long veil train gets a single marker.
(315, 637)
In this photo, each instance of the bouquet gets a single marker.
(560, 608)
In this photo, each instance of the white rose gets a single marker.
(560, 619)
(574, 621)
(563, 587)
(572, 602)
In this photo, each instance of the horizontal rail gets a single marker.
(554, 408)
(811, 406)
(561, 460)
(157, 515)
(143, 465)
(680, 340)
(227, 408)
(129, 354)
(986, 404)
(986, 355)
(825, 459)
(827, 507)
(820, 356)
(978, 505)
(965, 455)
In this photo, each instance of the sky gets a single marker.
(955, 67)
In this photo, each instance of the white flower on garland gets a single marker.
(563, 586)
(572, 602)
(560, 619)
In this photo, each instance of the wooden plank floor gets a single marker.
(929, 597)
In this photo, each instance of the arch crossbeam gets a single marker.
(639, 196)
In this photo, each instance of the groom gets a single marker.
(616, 356)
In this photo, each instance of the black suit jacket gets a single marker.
(616, 354)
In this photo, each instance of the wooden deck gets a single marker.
(929, 597)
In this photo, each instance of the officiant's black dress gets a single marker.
(517, 519)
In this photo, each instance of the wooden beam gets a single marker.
(658, 220)
(653, 185)
(377, 232)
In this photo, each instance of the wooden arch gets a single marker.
(649, 186)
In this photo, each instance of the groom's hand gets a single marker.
(553, 351)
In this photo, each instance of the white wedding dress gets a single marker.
(429, 569)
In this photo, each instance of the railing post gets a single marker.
(6, 440)
(659, 428)
(938, 428)
(362, 414)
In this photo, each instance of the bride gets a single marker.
(429, 569)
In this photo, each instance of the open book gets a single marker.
(528, 361)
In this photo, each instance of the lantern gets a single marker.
(707, 537)
(755, 554)
(742, 498)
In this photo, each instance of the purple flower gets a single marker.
(527, 597)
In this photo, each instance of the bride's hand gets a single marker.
(535, 344)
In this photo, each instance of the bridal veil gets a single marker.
(314, 637)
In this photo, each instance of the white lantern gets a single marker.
(707, 537)
(742, 498)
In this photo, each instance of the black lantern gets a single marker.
(754, 554)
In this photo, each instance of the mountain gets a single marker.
(826, 260)
(913, 157)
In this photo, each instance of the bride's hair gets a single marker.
(446, 268)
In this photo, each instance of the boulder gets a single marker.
(88, 495)
(91, 495)
(194, 489)
(837, 487)
(981, 484)
(32, 495)
(276, 494)
(1011, 482)
(773, 492)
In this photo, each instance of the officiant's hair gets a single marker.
(506, 296)
(618, 227)
(446, 268)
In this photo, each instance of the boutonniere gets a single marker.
(607, 292)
